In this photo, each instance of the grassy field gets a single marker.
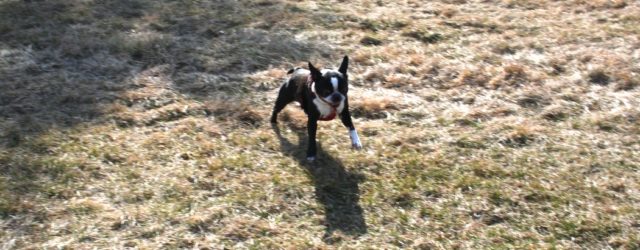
(485, 124)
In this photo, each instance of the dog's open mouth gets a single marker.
(331, 103)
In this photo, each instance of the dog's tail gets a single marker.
(293, 70)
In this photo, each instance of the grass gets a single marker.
(485, 124)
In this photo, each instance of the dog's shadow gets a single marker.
(335, 188)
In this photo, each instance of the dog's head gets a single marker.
(331, 85)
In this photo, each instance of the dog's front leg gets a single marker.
(345, 116)
(312, 127)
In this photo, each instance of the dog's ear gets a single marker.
(315, 73)
(344, 65)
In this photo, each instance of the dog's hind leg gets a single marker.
(286, 95)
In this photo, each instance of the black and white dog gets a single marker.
(322, 95)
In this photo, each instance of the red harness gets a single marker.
(334, 110)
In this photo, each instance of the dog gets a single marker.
(322, 95)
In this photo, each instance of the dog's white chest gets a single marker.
(326, 109)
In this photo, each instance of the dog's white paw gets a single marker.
(355, 140)
(311, 158)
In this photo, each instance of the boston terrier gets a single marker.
(322, 94)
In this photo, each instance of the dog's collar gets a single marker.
(334, 110)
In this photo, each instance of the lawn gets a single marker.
(486, 124)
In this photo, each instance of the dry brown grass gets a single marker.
(485, 124)
(373, 108)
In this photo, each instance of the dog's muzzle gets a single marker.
(336, 99)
